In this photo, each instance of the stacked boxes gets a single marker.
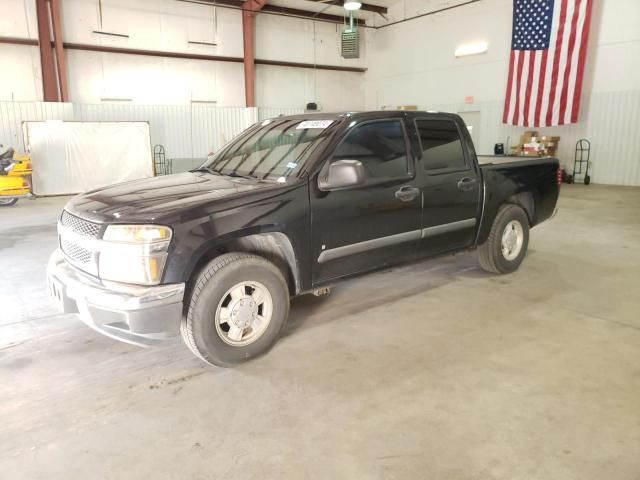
(533, 145)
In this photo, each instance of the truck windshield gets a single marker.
(274, 150)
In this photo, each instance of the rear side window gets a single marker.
(441, 145)
(380, 146)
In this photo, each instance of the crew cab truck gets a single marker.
(291, 206)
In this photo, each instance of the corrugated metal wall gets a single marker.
(270, 112)
(612, 124)
(186, 131)
(191, 131)
(12, 114)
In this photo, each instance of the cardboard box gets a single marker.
(528, 137)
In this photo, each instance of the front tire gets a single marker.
(8, 202)
(239, 305)
(508, 240)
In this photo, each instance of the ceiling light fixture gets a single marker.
(473, 48)
(352, 5)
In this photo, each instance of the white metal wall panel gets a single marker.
(12, 114)
(185, 130)
(271, 112)
(611, 122)
(73, 157)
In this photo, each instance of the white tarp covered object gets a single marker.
(75, 157)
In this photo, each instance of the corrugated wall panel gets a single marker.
(186, 131)
(271, 112)
(12, 114)
(612, 124)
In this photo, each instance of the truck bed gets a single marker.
(531, 181)
(506, 160)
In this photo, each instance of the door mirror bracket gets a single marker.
(343, 174)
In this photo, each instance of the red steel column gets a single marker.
(248, 13)
(49, 84)
(57, 39)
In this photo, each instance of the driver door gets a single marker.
(373, 225)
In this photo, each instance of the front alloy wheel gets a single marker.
(239, 305)
(244, 313)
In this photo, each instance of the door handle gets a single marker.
(406, 193)
(467, 183)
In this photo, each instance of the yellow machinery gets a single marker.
(15, 177)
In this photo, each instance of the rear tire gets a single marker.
(587, 180)
(8, 202)
(239, 305)
(508, 240)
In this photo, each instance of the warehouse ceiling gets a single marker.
(370, 8)
(374, 12)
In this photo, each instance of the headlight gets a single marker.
(137, 233)
(134, 253)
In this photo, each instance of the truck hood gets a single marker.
(149, 199)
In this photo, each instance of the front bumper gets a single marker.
(144, 316)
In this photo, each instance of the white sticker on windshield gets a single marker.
(314, 124)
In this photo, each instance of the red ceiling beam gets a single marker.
(365, 6)
(181, 55)
(49, 82)
(296, 12)
(54, 75)
(56, 23)
(276, 10)
(19, 41)
(250, 7)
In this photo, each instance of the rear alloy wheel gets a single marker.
(508, 240)
(512, 240)
(8, 202)
(239, 305)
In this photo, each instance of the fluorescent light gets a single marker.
(473, 48)
(352, 5)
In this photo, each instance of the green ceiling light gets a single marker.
(352, 5)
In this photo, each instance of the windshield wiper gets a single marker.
(239, 175)
(205, 169)
(233, 174)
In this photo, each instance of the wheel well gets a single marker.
(526, 201)
(274, 246)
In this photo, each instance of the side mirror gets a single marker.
(342, 174)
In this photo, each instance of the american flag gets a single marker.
(548, 49)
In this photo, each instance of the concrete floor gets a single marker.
(435, 370)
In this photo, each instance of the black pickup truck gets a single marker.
(291, 206)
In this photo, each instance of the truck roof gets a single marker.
(365, 114)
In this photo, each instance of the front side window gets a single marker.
(441, 145)
(380, 146)
(274, 150)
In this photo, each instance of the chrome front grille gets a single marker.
(79, 226)
(75, 253)
(77, 242)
